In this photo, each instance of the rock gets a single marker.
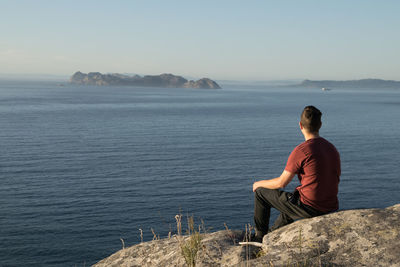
(218, 249)
(163, 80)
(204, 83)
(365, 237)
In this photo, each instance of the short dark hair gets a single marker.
(311, 119)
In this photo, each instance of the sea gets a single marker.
(84, 167)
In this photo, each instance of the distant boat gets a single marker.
(326, 89)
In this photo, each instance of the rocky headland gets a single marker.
(364, 237)
(363, 83)
(163, 80)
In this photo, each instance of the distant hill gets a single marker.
(363, 83)
(163, 80)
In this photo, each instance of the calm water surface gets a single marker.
(82, 167)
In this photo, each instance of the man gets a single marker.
(317, 165)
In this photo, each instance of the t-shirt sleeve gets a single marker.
(293, 164)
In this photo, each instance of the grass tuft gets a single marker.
(192, 245)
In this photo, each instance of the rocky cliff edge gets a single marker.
(365, 237)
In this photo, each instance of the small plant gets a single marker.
(141, 235)
(192, 245)
(247, 242)
(190, 248)
(178, 219)
(230, 234)
(123, 243)
(155, 237)
(261, 253)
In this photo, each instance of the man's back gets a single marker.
(317, 164)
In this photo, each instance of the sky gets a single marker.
(222, 40)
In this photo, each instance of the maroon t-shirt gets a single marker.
(317, 165)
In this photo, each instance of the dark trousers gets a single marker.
(288, 204)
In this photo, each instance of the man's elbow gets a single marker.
(281, 184)
(285, 178)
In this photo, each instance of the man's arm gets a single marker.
(275, 183)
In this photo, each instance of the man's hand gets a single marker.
(255, 186)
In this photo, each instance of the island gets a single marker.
(363, 83)
(163, 80)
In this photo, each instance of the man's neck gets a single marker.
(309, 136)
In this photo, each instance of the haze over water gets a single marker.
(82, 167)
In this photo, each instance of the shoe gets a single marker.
(256, 238)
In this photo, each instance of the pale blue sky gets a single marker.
(237, 40)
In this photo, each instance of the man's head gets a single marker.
(310, 119)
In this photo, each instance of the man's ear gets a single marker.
(300, 125)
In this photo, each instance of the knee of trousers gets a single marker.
(262, 193)
(262, 190)
(258, 193)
